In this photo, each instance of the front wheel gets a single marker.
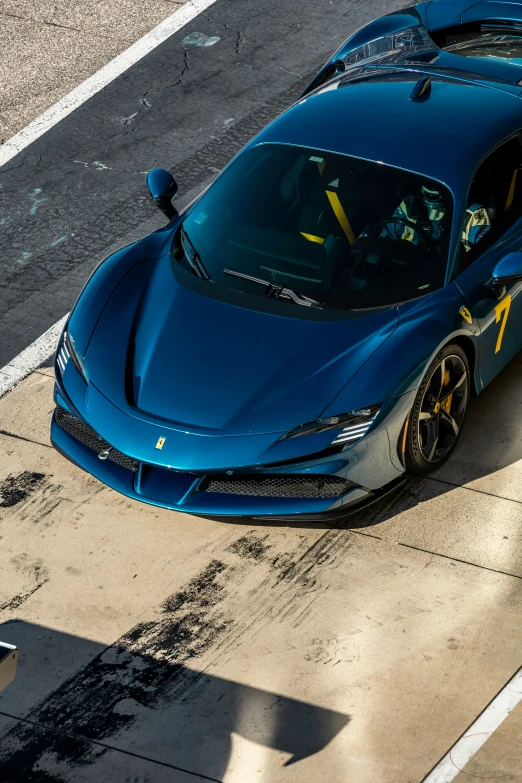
(439, 411)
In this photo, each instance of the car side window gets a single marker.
(494, 201)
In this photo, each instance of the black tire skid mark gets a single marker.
(324, 550)
(251, 546)
(16, 489)
(304, 574)
(298, 579)
(142, 665)
(35, 571)
(38, 508)
(34, 499)
(149, 664)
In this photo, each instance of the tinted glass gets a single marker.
(344, 232)
(494, 202)
(504, 47)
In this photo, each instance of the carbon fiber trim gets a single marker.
(286, 486)
(82, 432)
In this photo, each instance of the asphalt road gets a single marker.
(78, 192)
(47, 48)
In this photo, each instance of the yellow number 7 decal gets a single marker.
(502, 307)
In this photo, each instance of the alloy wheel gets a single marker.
(443, 408)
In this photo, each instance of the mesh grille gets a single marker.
(288, 486)
(450, 40)
(86, 435)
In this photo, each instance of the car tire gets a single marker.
(437, 417)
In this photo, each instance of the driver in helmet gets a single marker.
(425, 208)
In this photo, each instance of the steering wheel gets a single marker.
(427, 242)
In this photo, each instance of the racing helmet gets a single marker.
(433, 201)
(432, 198)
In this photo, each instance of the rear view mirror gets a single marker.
(162, 188)
(508, 270)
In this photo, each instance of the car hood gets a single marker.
(209, 366)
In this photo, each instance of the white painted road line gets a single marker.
(488, 721)
(30, 358)
(101, 78)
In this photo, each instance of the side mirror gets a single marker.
(162, 188)
(508, 270)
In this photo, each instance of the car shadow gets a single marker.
(95, 712)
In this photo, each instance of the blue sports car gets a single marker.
(313, 325)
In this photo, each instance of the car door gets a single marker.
(491, 230)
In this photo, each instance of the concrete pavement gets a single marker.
(253, 652)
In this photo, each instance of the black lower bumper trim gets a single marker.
(343, 511)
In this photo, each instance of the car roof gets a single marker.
(443, 135)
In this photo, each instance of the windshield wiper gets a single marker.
(278, 291)
(194, 261)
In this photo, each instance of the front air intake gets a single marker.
(282, 486)
(84, 434)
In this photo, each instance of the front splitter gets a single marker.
(347, 510)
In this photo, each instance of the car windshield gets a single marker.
(319, 229)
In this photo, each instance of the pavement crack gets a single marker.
(184, 68)
(292, 73)
(21, 437)
(459, 560)
(239, 40)
(127, 120)
(472, 489)
(45, 22)
(186, 64)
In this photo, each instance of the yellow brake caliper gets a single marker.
(446, 405)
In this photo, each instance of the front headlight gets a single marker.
(355, 424)
(66, 351)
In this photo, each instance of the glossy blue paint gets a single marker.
(288, 366)
(476, 283)
(441, 132)
(221, 375)
(162, 188)
(404, 37)
(508, 268)
(493, 9)
(447, 13)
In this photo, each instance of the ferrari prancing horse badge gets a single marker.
(465, 313)
(160, 443)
